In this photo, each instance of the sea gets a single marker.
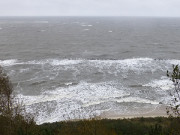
(67, 68)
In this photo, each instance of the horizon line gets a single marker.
(140, 16)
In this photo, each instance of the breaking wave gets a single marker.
(163, 84)
(54, 105)
(130, 64)
(10, 62)
(66, 86)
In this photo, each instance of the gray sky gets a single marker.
(90, 8)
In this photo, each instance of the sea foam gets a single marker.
(91, 86)
(10, 62)
(163, 84)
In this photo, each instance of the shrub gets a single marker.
(13, 119)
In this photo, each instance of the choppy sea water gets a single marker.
(77, 67)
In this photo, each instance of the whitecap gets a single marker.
(173, 62)
(35, 62)
(163, 84)
(43, 30)
(70, 99)
(24, 70)
(137, 100)
(86, 29)
(136, 64)
(10, 62)
(55, 62)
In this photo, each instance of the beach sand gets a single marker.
(159, 111)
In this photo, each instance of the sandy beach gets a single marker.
(159, 111)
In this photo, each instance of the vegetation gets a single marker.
(13, 119)
(136, 126)
(174, 109)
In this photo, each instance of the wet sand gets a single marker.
(159, 111)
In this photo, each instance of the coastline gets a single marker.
(159, 111)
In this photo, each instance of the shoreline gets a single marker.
(159, 111)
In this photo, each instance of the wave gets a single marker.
(52, 105)
(125, 63)
(173, 62)
(163, 84)
(137, 100)
(81, 66)
(89, 85)
(53, 62)
(124, 100)
(84, 92)
(63, 101)
(9, 62)
(65, 62)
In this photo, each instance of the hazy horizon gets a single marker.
(89, 16)
(160, 8)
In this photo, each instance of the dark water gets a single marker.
(66, 66)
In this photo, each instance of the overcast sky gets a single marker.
(90, 8)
